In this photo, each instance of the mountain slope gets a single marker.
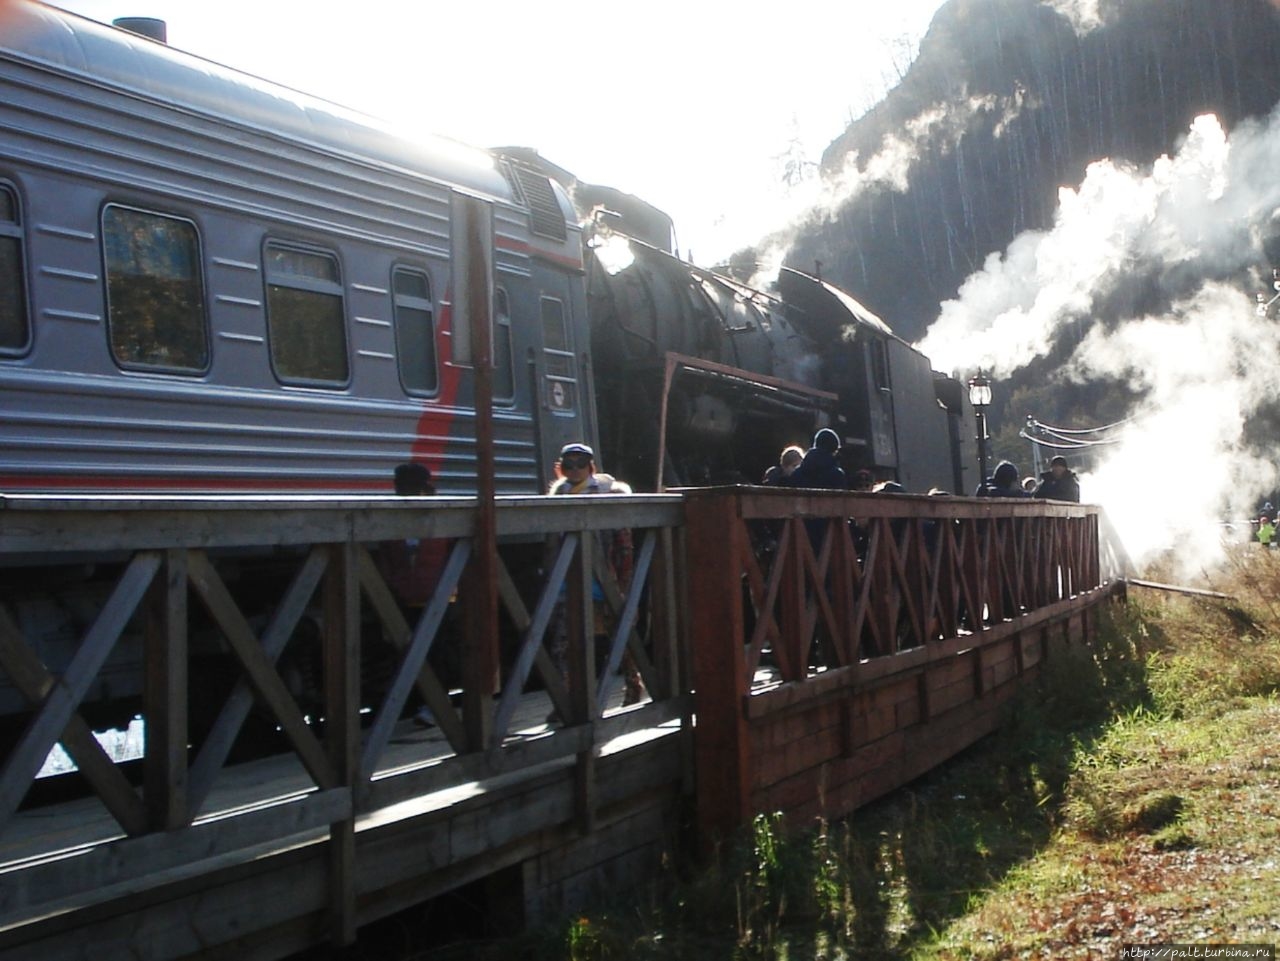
(1008, 101)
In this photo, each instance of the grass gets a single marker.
(1132, 799)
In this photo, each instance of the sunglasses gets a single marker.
(575, 463)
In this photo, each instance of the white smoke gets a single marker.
(1203, 369)
(1182, 465)
(938, 126)
(1083, 14)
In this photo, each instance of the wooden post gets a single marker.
(580, 617)
(342, 727)
(662, 618)
(721, 739)
(165, 760)
(472, 255)
(792, 648)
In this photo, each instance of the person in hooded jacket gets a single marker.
(1059, 482)
(820, 468)
(1003, 483)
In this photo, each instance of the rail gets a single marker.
(886, 610)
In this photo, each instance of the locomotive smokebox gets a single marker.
(150, 27)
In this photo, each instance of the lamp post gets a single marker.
(980, 398)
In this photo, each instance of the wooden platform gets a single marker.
(869, 639)
(257, 850)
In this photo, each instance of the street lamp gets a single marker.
(980, 398)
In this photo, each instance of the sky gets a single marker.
(694, 106)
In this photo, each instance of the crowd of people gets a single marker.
(412, 567)
(819, 467)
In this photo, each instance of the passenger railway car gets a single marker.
(212, 283)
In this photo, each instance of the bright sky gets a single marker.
(693, 105)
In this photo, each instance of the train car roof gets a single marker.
(136, 66)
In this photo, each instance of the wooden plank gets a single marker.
(128, 868)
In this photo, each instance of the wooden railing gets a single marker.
(838, 644)
(797, 597)
(253, 574)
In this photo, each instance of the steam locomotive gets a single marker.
(209, 283)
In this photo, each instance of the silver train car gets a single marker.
(211, 283)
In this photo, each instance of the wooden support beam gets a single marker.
(165, 696)
(284, 621)
(580, 621)
(259, 670)
(722, 744)
(413, 667)
(531, 640)
(342, 727)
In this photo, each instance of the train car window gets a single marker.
(305, 317)
(879, 364)
(155, 292)
(415, 331)
(504, 379)
(15, 330)
(561, 380)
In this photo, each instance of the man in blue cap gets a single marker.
(577, 469)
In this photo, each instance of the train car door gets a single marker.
(566, 404)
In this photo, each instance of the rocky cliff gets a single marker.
(1008, 101)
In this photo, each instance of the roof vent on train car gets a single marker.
(548, 218)
(149, 27)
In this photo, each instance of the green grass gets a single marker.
(1132, 798)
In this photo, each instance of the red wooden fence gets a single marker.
(845, 643)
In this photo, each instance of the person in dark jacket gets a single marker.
(788, 461)
(1003, 483)
(820, 468)
(1059, 482)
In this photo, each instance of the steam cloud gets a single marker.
(1191, 229)
(889, 168)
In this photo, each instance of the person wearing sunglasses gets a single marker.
(577, 470)
(578, 475)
